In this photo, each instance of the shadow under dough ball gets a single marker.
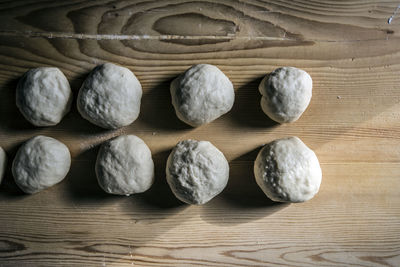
(124, 166)
(110, 97)
(201, 94)
(196, 171)
(41, 162)
(288, 171)
(3, 163)
(286, 93)
(43, 96)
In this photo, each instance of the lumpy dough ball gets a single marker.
(201, 94)
(43, 96)
(110, 97)
(124, 166)
(40, 163)
(3, 163)
(196, 171)
(286, 93)
(288, 171)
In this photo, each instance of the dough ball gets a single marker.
(41, 162)
(196, 171)
(110, 97)
(288, 171)
(3, 163)
(43, 96)
(124, 166)
(286, 93)
(201, 94)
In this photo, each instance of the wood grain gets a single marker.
(353, 124)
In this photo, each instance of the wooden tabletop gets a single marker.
(350, 48)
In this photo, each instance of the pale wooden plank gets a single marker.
(352, 124)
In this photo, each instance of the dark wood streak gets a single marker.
(7, 246)
(382, 260)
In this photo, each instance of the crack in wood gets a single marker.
(161, 37)
(83, 36)
(390, 19)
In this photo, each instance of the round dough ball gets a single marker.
(3, 163)
(43, 96)
(110, 97)
(41, 162)
(201, 94)
(196, 171)
(288, 171)
(124, 166)
(286, 93)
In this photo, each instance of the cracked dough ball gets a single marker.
(196, 171)
(286, 93)
(41, 162)
(201, 94)
(43, 96)
(3, 163)
(124, 166)
(288, 171)
(110, 97)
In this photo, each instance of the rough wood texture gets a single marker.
(353, 124)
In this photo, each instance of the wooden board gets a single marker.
(353, 124)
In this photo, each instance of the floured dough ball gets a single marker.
(124, 166)
(196, 171)
(3, 163)
(44, 96)
(288, 171)
(110, 96)
(286, 93)
(41, 162)
(201, 94)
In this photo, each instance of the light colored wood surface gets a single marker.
(352, 123)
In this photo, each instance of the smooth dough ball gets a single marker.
(110, 97)
(44, 96)
(3, 163)
(201, 94)
(124, 166)
(288, 171)
(41, 162)
(196, 171)
(286, 93)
